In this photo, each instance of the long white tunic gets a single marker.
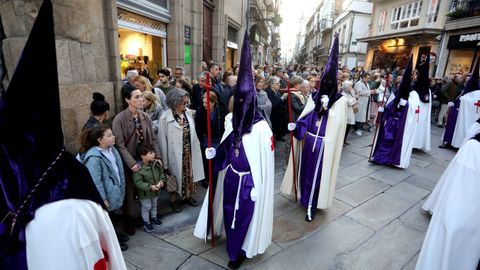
(260, 154)
(422, 135)
(334, 135)
(453, 236)
(72, 234)
(467, 114)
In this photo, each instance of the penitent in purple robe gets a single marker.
(312, 156)
(238, 183)
(451, 121)
(388, 148)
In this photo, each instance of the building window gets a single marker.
(405, 16)
(382, 21)
(433, 11)
(162, 3)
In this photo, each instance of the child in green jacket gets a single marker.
(148, 180)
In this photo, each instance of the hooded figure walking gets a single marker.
(243, 172)
(317, 144)
(398, 126)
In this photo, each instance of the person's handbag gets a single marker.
(171, 182)
(355, 108)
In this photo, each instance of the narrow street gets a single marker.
(376, 221)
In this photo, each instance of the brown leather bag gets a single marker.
(171, 183)
(355, 109)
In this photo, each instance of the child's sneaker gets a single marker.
(156, 221)
(148, 226)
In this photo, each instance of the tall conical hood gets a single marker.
(328, 82)
(245, 97)
(422, 85)
(473, 82)
(31, 143)
(406, 84)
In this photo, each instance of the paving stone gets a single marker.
(416, 217)
(355, 172)
(282, 205)
(195, 263)
(360, 191)
(391, 176)
(391, 248)
(341, 182)
(349, 158)
(149, 252)
(419, 163)
(432, 171)
(411, 264)
(423, 182)
(131, 266)
(219, 256)
(363, 151)
(292, 227)
(187, 241)
(379, 211)
(320, 250)
(407, 192)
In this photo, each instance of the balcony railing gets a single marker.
(460, 9)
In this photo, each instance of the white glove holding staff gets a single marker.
(291, 126)
(210, 153)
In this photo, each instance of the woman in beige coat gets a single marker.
(180, 149)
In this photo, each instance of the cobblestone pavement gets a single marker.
(376, 221)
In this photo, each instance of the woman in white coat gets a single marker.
(179, 146)
(362, 93)
(347, 91)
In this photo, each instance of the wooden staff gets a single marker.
(209, 144)
(379, 117)
(290, 118)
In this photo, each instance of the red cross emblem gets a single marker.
(478, 105)
(272, 146)
(417, 111)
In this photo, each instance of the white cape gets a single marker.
(411, 124)
(260, 155)
(422, 136)
(453, 236)
(72, 234)
(334, 135)
(467, 114)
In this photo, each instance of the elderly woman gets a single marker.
(180, 149)
(153, 108)
(263, 103)
(347, 91)
(362, 93)
(132, 129)
(278, 116)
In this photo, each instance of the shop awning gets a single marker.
(409, 33)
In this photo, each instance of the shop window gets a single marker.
(405, 16)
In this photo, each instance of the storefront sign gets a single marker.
(188, 56)
(467, 41)
(232, 45)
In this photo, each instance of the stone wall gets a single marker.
(87, 54)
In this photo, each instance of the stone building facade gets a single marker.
(87, 54)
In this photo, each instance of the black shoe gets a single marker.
(123, 246)
(156, 221)
(192, 202)
(236, 263)
(122, 237)
(445, 146)
(175, 207)
(312, 216)
(148, 227)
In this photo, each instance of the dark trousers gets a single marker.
(357, 126)
(347, 131)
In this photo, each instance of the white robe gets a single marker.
(467, 115)
(453, 237)
(411, 124)
(422, 136)
(260, 155)
(334, 135)
(72, 234)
